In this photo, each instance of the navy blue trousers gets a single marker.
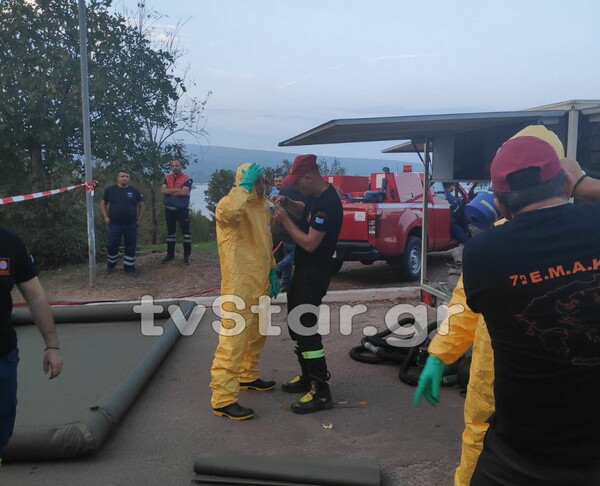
(126, 232)
(8, 396)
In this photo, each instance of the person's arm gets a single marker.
(455, 335)
(232, 206)
(164, 190)
(586, 188)
(176, 191)
(35, 296)
(104, 211)
(295, 208)
(309, 241)
(141, 209)
(167, 191)
(456, 332)
(182, 191)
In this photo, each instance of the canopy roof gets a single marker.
(417, 128)
(420, 127)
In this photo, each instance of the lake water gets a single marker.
(197, 199)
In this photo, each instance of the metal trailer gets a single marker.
(460, 147)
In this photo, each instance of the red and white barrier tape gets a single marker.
(89, 186)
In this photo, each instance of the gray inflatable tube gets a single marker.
(108, 361)
(237, 469)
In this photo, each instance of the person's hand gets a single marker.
(107, 220)
(250, 175)
(280, 213)
(274, 281)
(429, 381)
(572, 167)
(53, 362)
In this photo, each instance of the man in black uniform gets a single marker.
(536, 280)
(316, 238)
(122, 208)
(16, 267)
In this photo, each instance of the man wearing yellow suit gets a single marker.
(456, 334)
(247, 272)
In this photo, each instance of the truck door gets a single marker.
(439, 217)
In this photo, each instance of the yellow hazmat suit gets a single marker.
(455, 336)
(245, 253)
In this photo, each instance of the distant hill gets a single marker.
(215, 158)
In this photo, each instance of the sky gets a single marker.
(277, 68)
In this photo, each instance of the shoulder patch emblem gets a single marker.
(4, 266)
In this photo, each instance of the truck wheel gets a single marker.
(409, 264)
(336, 265)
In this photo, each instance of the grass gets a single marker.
(210, 246)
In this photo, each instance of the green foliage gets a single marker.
(220, 183)
(202, 228)
(334, 169)
(325, 168)
(54, 227)
(136, 109)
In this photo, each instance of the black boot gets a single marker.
(234, 411)
(168, 257)
(318, 398)
(170, 250)
(299, 384)
(258, 384)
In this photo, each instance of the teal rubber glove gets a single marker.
(274, 281)
(429, 381)
(250, 175)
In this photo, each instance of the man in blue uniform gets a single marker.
(122, 208)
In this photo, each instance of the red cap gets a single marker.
(303, 164)
(523, 162)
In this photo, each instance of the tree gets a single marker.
(220, 183)
(132, 87)
(184, 116)
(334, 169)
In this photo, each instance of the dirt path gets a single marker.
(201, 277)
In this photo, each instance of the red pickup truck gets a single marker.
(383, 217)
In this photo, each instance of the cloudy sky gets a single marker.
(277, 68)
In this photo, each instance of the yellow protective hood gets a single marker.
(541, 132)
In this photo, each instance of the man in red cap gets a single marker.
(536, 280)
(316, 237)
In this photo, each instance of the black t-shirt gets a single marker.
(536, 280)
(16, 266)
(122, 204)
(323, 213)
(278, 231)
